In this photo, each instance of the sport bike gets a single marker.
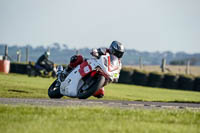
(85, 79)
(48, 71)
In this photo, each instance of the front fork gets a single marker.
(59, 72)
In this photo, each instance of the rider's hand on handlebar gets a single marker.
(94, 53)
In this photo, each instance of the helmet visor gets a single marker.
(118, 54)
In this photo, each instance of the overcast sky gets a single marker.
(145, 25)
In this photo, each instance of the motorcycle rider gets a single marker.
(43, 62)
(116, 48)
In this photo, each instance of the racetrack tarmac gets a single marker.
(107, 103)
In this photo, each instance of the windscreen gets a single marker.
(114, 60)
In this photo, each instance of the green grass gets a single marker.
(16, 85)
(140, 93)
(40, 119)
(32, 119)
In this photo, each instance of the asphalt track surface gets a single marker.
(107, 103)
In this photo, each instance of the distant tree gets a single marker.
(193, 61)
(177, 62)
(61, 53)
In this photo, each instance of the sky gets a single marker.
(145, 25)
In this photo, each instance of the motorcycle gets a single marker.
(49, 71)
(84, 80)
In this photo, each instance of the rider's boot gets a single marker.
(99, 93)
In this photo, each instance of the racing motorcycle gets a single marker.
(50, 70)
(84, 80)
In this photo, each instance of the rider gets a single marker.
(116, 48)
(42, 62)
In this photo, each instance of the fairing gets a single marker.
(108, 65)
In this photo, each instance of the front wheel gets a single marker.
(53, 91)
(91, 87)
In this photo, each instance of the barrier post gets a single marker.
(187, 71)
(163, 65)
(140, 62)
(5, 57)
(27, 55)
(18, 55)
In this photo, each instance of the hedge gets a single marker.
(185, 82)
(155, 79)
(140, 77)
(170, 81)
(132, 76)
(197, 84)
(125, 76)
(18, 68)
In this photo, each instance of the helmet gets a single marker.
(117, 49)
(47, 54)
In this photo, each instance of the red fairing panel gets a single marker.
(85, 68)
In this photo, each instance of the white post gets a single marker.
(18, 55)
(188, 67)
(27, 55)
(163, 65)
(140, 62)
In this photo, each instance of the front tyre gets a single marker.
(53, 91)
(95, 84)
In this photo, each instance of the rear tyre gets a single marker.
(31, 71)
(53, 91)
(96, 83)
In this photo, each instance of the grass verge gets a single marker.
(22, 86)
(31, 119)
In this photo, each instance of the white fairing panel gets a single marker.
(70, 84)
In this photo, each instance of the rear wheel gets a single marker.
(54, 91)
(91, 86)
(31, 71)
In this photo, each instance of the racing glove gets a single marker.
(94, 53)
